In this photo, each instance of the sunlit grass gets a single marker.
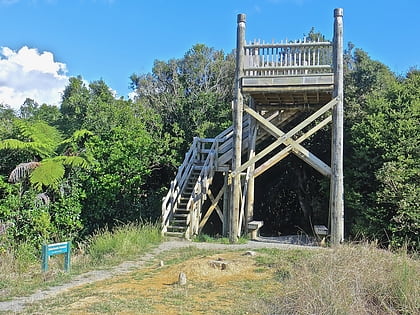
(20, 268)
(351, 279)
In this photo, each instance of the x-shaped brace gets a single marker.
(286, 138)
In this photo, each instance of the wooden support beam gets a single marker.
(285, 138)
(249, 212)
(215, 201)
(237, 128)
(213, 206)
(285, 152)
(226, 200)
(337, 182)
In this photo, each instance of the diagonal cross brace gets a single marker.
(286, 138)
(213, 207)
(287, 150)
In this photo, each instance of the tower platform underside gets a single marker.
(292, 90)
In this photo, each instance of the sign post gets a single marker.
(56, 249)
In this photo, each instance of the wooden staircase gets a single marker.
(179, 223)
(182, 207)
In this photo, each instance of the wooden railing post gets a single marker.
(237, 129)
(337, 183)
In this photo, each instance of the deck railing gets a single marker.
(280, 59)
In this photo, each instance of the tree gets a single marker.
(192, 94)
(384, 192)
(43, 199)
(45, 170)
(132, 154)
(74, 105)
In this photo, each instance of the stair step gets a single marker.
(176, 228)
(181, 211)
(181, 215)
(175, 234)
(178, 222)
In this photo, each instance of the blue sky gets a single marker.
(43, 42)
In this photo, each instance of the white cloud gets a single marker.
(29, 73)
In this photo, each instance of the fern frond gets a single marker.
(33, 147)
(40, 132)
(82, 135)
(22, 170)
(75, 142)
(76, 161)
(73, 161)
(49, 174)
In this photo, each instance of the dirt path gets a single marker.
(18, 304)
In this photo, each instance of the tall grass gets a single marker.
(122, 243)
(350, 280)
(20, 268)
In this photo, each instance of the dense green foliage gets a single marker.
(192, 95)
(384, 163)
(98, 161)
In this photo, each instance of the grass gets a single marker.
(20, 269)
(217, 239)
(346, 280)
(349, 279)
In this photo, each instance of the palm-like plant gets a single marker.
(43, 142)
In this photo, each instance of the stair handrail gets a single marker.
(169, 202)
(199, 193)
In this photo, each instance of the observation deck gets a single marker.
(285, 74)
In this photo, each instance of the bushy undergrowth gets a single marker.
(20, 267)
(347, 280)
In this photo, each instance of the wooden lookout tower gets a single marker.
(282, 81)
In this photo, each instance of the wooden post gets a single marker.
(249, 212)
(337, 183)
(237, 129)
(226, 208)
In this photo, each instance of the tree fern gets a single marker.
(36, 148)
(73, 161)
(49, 173)
(43, 141)
(40, 131)
(22, 170)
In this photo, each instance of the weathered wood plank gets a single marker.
(237, 126)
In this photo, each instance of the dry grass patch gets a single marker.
(350, 280)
